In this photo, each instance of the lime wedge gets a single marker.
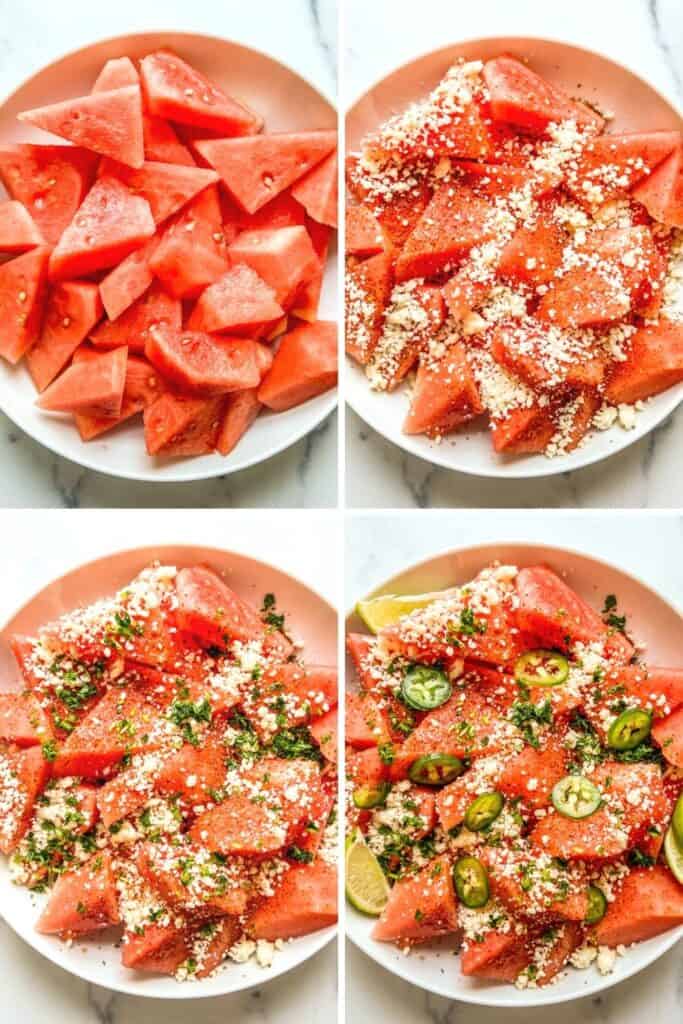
(674, 855)
(388, 609)
(366, 887)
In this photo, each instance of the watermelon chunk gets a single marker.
(283, 257)
(192, 251)
(420, 907)
(129, 281)
(210, 612)
(24, 776)
(533, 254)
(71, 312)
(142, 387)
(204, 766)
(224, 934)
(610, 165)
(669, 735)
(305, 365)
(546, 766)
(162, 868)
(550, 610)
(23, 720)
(108, 123)
(197, 363)
(365, 723)
(325, 732)
(166, 187)
(23, 287)
(94, 387)
(116, 74)
(157, 949)
(239, 302)
(662, 193)
(317, 191)
(304, 902)
(654, 362)
(454, 221)
(445, 395)
(83, 900)
(257, 168)
(524, 430)
(363, 234)
(18, 231)
(309, 693)
(649, 902)
(51, 182)
(132, 327)
(529, 352)
(500, 956)
(109, 224)
(177, 91)
(584, 297)
(521, 97)
(240, 412)
(178, 425)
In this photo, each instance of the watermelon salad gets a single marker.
(167, 773)
(516, 260)
(169, 262)
(514, 778)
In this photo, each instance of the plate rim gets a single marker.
(546, 996)
(327, 408)
(554, 467)
(319, 940)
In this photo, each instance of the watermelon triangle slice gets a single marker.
(166, 187)
(72, 310)
(143, 386)
(239, 302)
(179, 425)
(18, 231)
(317, 191)
(256, 168)
(662, 193)
(116, 74)
(109, 123)
(610, 165)
(192, 250)
(127, 282)
(109, 225)
(521, 97)
(175, 90)
(132, 327)
(51, 182)
(23, 286)
(305, 365)
(94, 386)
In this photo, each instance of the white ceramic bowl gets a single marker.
(312, 619)
(288, 102)
(655, 622)
(637, 106)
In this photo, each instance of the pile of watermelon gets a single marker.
(518, 258)
(168, 769)
(550, 880)
(169, 261)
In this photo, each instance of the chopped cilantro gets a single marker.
(297, 854)
(50, 750)
(526, 716)
(184, 712)
(386, 752)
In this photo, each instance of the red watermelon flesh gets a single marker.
(108, 123)
(110, 224)
(178, 425)
(305, 365)
(166, 187)
(116, 74)
(654, 362)
(132, 327)
(83, 900)
(157, 948)
(94, 386)
(127, 282)
(192, 250)
(51, 182)
(143, 386)
(521, 97)
(177, 91)
(24, 776)
(307, 302)
(197, 363)
(72, 310)
(552, 611)
(368, 288)
(18, 231)
(526, 430)
(284, 258)
(23, 287)
(255, 169)
(662, 193)
(209, 611)
(241, 411)
(610, 165)
(23, 720)
(281, 212)
(363, 234)
(239, 302)
(304, 901)
(584, 297)
(445, 396)
(420, 907)
(317, 191)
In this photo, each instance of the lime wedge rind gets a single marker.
(387, 609)
(366, 886)
(673, 853)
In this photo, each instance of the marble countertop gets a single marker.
(33, 989)
(379, 546)
(302, 33)
(646, 35)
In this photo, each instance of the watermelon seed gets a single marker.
(267, 181)
(66, 322)
(189, 92)
(52, 182)
(22, 296)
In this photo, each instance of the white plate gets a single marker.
(288, 102)
(656, 623)
(637, 106)
(311, 618)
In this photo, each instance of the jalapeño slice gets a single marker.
(541, 668)
(597, 905)
(575, 797)
(425, 688)
(482, 811)
(471, 881)
(629, 729)
(370, 796)
(435, 769)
